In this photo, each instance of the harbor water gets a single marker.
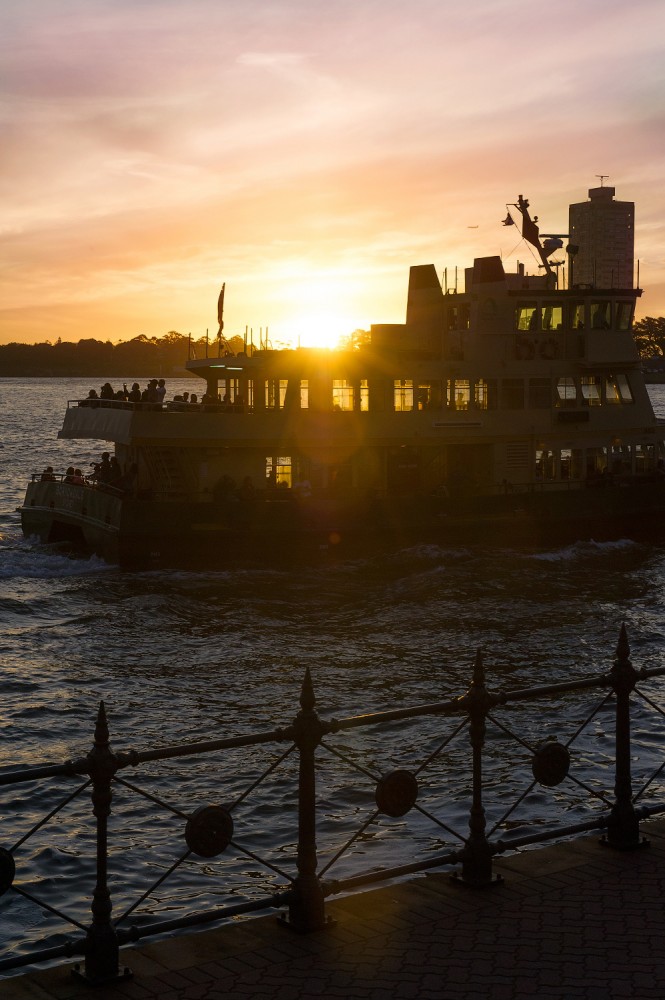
(183, 656)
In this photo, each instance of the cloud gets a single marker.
(156, 141)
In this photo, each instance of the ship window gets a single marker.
(363, 396)
(590, 385)
(551, 316)
(526, 316)
(512, 394)
(304, 394)
(644, 458)
(275, 390)
(458, 316)
(342, 394)
(566, 463)
(624, 389)
(612, 394)
(596, 462)
(600, 315)
(403, 395)
(540, 394)
(624, 317)
(484, 394)
(458, 391)
(621, 460)
(566, 391)
(424, 396)
(545, 465)
(278, 471)
(576, 316)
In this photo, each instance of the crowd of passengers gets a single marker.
(108, 473)
(154, 392)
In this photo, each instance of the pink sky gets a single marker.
(305, 154)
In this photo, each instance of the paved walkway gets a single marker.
(571, 921)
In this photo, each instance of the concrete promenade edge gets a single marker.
(573, 920)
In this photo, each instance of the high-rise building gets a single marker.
(603, 231)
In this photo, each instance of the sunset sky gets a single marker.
(306, 154)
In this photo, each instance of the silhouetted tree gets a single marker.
(649, 334)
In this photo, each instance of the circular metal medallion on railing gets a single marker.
(396, 793)
(209, 831)
(550, 764)
(7, 870)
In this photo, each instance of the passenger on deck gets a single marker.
(135, 395)
(107, 391)
(69, 475)
(149, 394)
(160, 389)
(78, 479)
(194, 398)
(48, 475)
(185, 397)
(104, 472)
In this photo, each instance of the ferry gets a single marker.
(510, 411)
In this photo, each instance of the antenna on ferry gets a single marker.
(602, 177)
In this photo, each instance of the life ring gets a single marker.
(549, 349)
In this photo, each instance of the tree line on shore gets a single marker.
(161, 356)
(142, 357)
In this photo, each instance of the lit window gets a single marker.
(459, 393)
(275, 389)
(551, 316)
(577, 315)
(304, 394)
(403, 395)
(342, 394)
(278, 472)
(526, 316)
(363, 395)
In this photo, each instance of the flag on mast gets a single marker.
(220, 310)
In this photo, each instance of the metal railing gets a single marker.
(209, 831)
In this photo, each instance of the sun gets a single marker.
(318, 311)
(325, 328)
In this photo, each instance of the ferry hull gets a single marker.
(140, 533)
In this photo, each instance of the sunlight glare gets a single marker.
(318, 312)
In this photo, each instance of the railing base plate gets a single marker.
(80, 976)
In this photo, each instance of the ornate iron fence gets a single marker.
(210, 830)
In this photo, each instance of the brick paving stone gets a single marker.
(578, 922)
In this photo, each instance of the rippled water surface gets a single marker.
(178, 656)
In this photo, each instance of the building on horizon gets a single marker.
(603, 232)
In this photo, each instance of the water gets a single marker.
(178, 656)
